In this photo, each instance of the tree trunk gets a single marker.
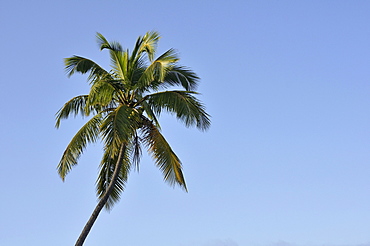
(103, 200)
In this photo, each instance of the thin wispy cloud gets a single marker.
(219, 242)
(284, 243)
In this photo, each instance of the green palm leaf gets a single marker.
(104, 44)
(183, 104)
(163, 155)
(146, 44)
(134, 151)
(107, 166)
(74, 106)
(83, 65)
(101, 93)
(119, 58)
(156, 72)
(87, 134)
(149, 112)
(181, 76)
(118, 127)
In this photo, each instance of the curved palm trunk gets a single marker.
(102, 201)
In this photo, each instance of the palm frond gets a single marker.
(156, 72)
(163, 155)
(119, 57)
(184, 105)
(135, 151)
(107, 166)
(105, 44)
(163, 64)
(118, 127)
(73, 107)
(169, 57)
(181, 76)
(119, 61)
(136, 71)
(146, 44)
(130, 158)
(101, 93)
(89, 133)
(149, 112)
(83, 65)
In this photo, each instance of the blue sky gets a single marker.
(285, 163)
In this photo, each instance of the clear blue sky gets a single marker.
(285, 163)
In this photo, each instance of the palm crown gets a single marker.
(124, 104)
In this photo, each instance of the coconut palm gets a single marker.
(123, 106)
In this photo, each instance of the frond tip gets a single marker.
(89, 133)
(163, 155)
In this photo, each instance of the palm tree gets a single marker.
(124, 104)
